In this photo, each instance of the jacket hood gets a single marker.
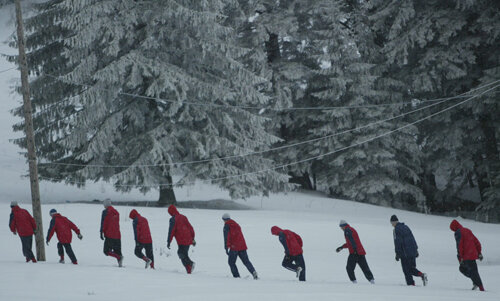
(56, 215)
(455, 225)
(275, 230)
(133, 214)
(172, 210)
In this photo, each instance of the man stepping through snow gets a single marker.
(142, 237)
(294, 260)
(62, 226)
(235, 246)
(110, 232)
(468, 250)
(407, 250)
(181, 229)
(21, 222)
(356, 253)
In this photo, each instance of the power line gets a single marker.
(260, 109)
(2, 71)
(310, 158)
(263, 151)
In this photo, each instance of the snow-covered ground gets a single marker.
(314, 217)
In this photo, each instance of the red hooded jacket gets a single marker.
(141, 228)
(180, 228)
(62, 226)
(291, 241)
(468, 246)
(352, 241)
(233, 237)
(22, 222)
(110, 223)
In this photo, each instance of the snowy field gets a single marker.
(315, 218)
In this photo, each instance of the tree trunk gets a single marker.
(167, 195)
(303, 180)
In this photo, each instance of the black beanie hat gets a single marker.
(394, 218)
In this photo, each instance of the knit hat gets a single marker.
(13, 204)
(226, 216)
(106, 203)
(342, 223)
(52, 211)
(394, 218)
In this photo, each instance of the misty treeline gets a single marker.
(354, 98)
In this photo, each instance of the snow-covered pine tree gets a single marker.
(437, 48)
(327, 64)
(176, 53)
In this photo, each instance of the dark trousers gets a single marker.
(293, 262)
(233, 255)
(409, 266)
(469, 269)
(183, 255)
(112, 247)
(354, 259)
(68, 249)
(27, 243)
(149, 251)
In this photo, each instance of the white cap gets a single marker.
(13, 204)
(226, 216)
(342, 223)
(106, 203)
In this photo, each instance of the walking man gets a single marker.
(110, 232)
(356, 253)
(181, 229)
(235, 246)
(62, 226)
(143, 238)
(468, 250)
(294, 260)
(407, 250)
(22, 223)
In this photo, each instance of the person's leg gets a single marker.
(138, 251)
(27, 244)
(60, 251)
(364, 267)
(299, 259)
(405, 264)
(413, 267)
(71, 254)
(149, 251)
(117, 246)
(244, 258)
(183, 255)
(288, 264)
(231, 260)
(474, 273)
(108, 248)
(351, 264)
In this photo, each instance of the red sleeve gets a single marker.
(299, 239)
(12, 222)
(477, 243)
(461, 246)
(33, 223)
(191, 229)
(73, 227)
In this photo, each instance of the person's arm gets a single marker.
(348, 236)
(171, 230)
(476, 243)
(33, 222)
(299, 239)
(134, 225)
(12, 223)
(397, 242)
(283, 242)
(103, 217)
(458, 239)
(51, 230)
(226, 234)
(74, 227)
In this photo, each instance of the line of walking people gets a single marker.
(405, 245)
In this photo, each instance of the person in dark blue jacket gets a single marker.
(407, 250)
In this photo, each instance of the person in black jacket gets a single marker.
(407, 250)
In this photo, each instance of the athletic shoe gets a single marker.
(192, 266)
(372, 281)
(152, 265)
(475, 287)
(424, 278)
(33, 259)
(74, 262)
(254, 274)
(120, 261)
(189, 269)
(148, 262)
(61, 260)
(481, 288)
(354, 281)
(299, 269)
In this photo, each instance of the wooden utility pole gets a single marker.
(30, 139)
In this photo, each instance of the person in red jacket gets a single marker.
(294, 260)
(62, 226)
(356, 253)
(468, 250)
(22, 223)
(181, 229)
(110, 232)
(235, 246)
(143, 238)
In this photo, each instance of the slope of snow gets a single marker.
(315, 218)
